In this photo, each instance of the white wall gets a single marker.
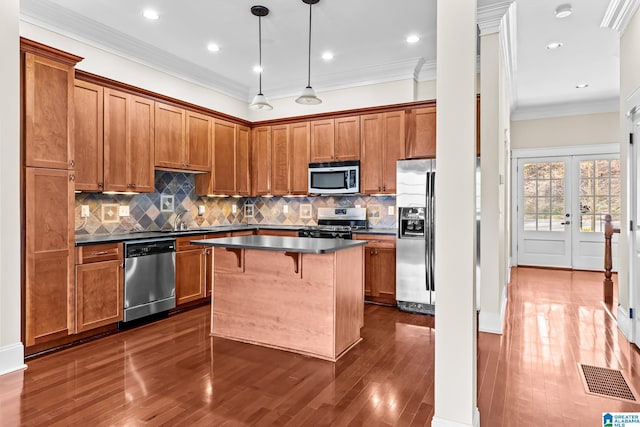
(600, 128)
(11, 349)
(629, 82)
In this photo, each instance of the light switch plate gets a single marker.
(123, 211)
(234, 208)
(200, 210)
(390, 210)
(84, 211)
(285, 209)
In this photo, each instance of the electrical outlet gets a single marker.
(285, 209)
(358, 206)
(390, 210)
(200, 210)
(84, 211)
(123, 211)
(234, 208)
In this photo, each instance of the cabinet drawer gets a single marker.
(284, 233)
(217, 235)
(377, 240)
(184, 243)
(242, 233)
(97, 253)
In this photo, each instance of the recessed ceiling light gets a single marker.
(213, 47)
(327, 56)
(257, 69)
(581, 86)
(150, 14)
(563, 10)
(413, 39)
(554, 45)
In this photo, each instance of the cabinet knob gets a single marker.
(72, 163)
(384, 188)
(133, 186)
(72, 177)
(128, 185)
(100, 184)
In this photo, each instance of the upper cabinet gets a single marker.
(261, 160)
(88, 129)
(182, 139)
(48, 113)
(289, 159)
(421, 133)
(335, 139)
(382, 144)
(128, 142)
(230, 172)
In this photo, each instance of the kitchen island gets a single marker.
(293, 293)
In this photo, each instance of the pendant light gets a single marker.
(308, 96)
(260, 101)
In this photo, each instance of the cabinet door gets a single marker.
(190, 276)
(421, 133)
(280, 160)
(48, 119)
(369, 271)
(371, 154)
(393, 148)
(224, 157)
(49, 217)
(261, 163)
(322, 141)
(98, 294)
(347, 138)
(116, 111)
(384, 286)
(88, 105)
(243, 175)
(198, 141)
(170, 137)
(140, 143)
(299, 158)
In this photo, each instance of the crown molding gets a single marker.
(427, 71)
(489, 17)
(609, 105)
(619, 13)
(509, 45)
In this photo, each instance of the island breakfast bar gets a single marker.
(293, 293)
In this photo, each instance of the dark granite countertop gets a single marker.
(282, 244)
(110, 238)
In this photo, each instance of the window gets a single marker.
(544, 196)
(599, 193)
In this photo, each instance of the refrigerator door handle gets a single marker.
(432, 228)
(427, 234)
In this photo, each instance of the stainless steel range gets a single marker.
(336, 223)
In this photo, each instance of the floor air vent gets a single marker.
(606, 382)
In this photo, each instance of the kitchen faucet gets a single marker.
(178, 219)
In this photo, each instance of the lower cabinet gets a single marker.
(99, 275)
(191, 261)
(380, 268)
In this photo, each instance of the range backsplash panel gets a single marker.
(175, 193)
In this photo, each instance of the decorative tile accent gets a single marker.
(166, 203)
(110, 213)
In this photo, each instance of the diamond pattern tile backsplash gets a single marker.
(175, 193)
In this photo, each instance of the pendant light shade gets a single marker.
(309, 96)
(260, 102)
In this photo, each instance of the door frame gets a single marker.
(523, 153)
(629, 326)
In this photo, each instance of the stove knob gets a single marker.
(334, 235)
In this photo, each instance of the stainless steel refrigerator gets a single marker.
(415, 207)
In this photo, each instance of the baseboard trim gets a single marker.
(493, 322)
(624, 323)
(12, 358)
(443, 422)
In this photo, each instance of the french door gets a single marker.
(562, 202)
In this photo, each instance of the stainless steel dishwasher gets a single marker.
(149, 277)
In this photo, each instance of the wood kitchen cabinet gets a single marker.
(209, 258)
(380, 268)
(49, 244)
(261, 161)
(128, 142)
(48, 112)
(421, 133)
(335, 139)
(88, 130)
(182, 139)
(382, 144)
(190, 270)
(99, 286)
(282, 233)
(289, 159)
(231, 157)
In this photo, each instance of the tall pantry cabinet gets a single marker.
(47, 82)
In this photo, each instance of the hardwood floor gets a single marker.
(172, 373)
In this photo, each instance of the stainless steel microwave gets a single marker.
(334, 177)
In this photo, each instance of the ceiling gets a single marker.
(367, 38)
